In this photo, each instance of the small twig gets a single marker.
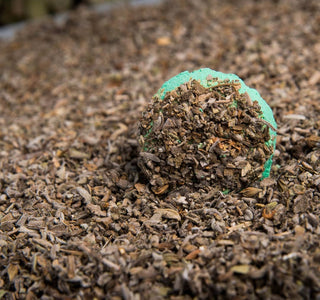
(266, 123)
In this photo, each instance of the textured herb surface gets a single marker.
(78, 219)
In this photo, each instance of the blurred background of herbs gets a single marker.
(12, 11)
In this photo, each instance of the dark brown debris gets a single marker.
(79, 219)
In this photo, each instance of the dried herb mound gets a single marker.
(199, 136)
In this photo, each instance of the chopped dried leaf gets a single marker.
(12, 271)
(240, 269)
(79, 216)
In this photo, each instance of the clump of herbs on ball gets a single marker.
(203, 137)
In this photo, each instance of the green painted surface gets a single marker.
(202, 75)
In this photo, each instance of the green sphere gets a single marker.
(206, 128)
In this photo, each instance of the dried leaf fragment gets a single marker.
(250, 191)
(266, 182)
(2, 293)
(96, 210)
(84, 194)
(315, 78)
(161, 189)
(164, 41)
(168, 213)
(12, 271)
(74, 153)
(141, 188)
(240, 269)
(71, 266)
(193, 254)
(269, 210)
(245, 169)
(61, 173)
(313, 141)
(110, 264)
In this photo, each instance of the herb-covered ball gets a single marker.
(206, 128)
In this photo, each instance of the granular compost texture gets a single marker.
(79, 219)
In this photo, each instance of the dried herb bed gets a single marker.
(203, 138)
(77, 217)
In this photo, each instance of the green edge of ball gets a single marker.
(201, 75)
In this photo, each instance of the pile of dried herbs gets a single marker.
(201, 137)
(78, 219)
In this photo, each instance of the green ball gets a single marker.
(202, 75)
(206, 129)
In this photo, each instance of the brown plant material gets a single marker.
(79, 219)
